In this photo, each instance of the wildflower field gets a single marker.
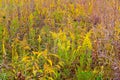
(59, 39)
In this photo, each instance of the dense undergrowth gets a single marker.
(59, 40)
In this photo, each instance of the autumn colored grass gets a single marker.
(59, 39)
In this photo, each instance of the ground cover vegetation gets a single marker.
(59, 40)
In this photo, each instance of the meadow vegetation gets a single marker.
(59, 40)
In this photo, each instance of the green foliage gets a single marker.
(84, 75)
(59, 40)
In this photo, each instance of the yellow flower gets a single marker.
(72, 36)
(62, 36)
(87, 42)
(68, 45)
(54, 35)
(39, 39)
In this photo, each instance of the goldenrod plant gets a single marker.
(59, 40)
